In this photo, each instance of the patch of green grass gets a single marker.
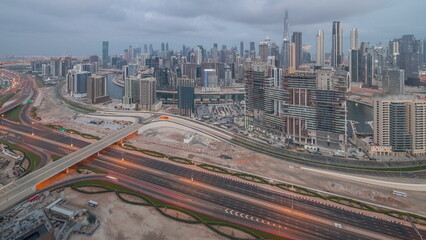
(34, 158)
(6, 98)
(181, 160)
(72, 131)
(213, 168)
(33, 114)
(55, 158)
(13, 114)
(209, 221)
(251, 178)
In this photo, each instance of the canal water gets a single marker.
(359, 112)
(114, 91)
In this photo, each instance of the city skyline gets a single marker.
(33, 28)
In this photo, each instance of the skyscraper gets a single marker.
(337, 45)
(200, 54)
(297, 40)
(292, 58)
(97, 89)
(409, 57)
(285, 44)
(147, 93)
(393, 81)
(263, 50)
(242, 49)
(252, 51)
(320, 48)
(105, 56)
(400, 124)
(185, 89)
(354, 39)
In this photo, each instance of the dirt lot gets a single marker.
(170, 141)
(121, 221)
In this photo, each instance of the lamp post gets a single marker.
(32, 128)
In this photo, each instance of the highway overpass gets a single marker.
(24, 187)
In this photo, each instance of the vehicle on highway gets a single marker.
(398, 193)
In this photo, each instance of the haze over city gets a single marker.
(72, 27)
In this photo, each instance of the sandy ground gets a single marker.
(122, 221)
(170, 141)
(52, 111)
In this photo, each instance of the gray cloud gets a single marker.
(80, 25)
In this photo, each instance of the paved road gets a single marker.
(14, 192)
(338, 215)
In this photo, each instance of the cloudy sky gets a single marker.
(77, 27)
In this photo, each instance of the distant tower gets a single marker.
(297, 40)
(167, 46)
(130, 53)
(252, 51)
(354, 39)
(105, 57)
(145, 48)
(337, 45)
(320, 48)
(286, 43)
(200, 53)
(242, 49)
(292, 58)
(163, 47)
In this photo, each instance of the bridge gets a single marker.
(14, 192)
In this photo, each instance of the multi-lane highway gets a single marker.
(330, 214)
(16, 191)
(221, 197)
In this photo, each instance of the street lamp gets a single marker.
(32, 129)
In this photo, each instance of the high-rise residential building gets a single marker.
(210, 78)
(307, 107)
(399, 127)
(297, 40)
(147, 93)
(105, 56)
(242, 49)
(285, 48)
(337, 45)
(320, 56)
(186, 96)
(97, 89)
(354, 39)
(393, 81)
(131, 90)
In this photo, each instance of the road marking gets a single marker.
(226, 210)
